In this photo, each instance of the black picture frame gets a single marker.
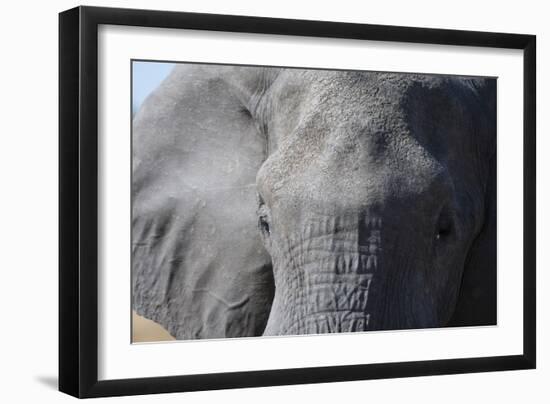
(78, 200)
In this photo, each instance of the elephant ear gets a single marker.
(477, 302)
(198, 265)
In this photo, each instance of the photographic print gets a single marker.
(272, 201)
(248, 201)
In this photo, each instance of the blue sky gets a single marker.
(146, 77)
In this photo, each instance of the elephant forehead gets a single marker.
(339, 114)
(357, 158)
(346, 185)
(314, 103)
(353, 123)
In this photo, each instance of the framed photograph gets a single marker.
(251, 201)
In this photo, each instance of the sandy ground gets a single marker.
(144, 330)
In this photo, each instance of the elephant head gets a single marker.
(291, 201)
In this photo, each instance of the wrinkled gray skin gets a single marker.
(289, 201)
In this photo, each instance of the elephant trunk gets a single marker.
(324, 278)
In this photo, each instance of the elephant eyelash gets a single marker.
(264, 225)
(445, 226)
(443, 232)
(263, 216)
(245, 111)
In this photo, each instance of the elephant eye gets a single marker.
(264, 225)
(263, 217)
(246, 112)
(445, 227)
(442, 233)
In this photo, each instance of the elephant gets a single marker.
(285, 201)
